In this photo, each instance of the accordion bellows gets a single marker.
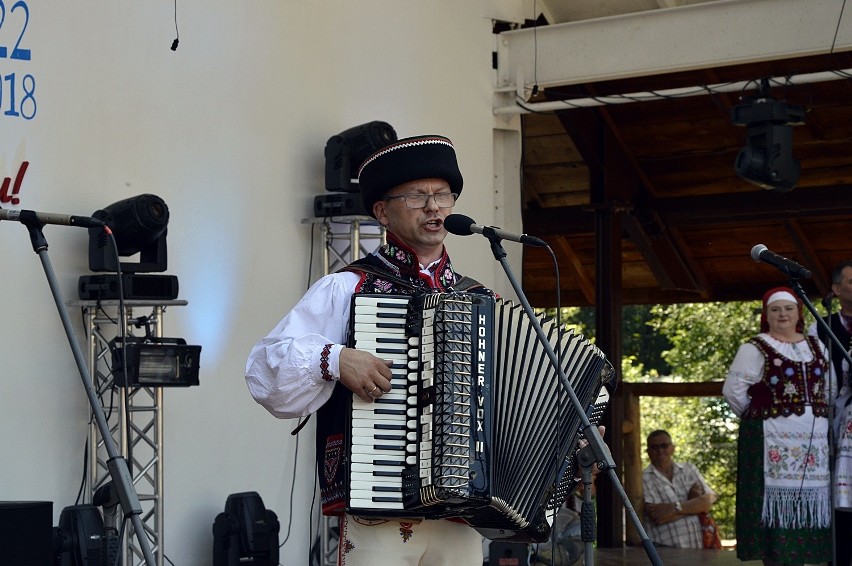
(478, 424)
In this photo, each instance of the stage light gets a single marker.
(139, 225)
(246, 531)
(344, 153)
(154, 362)
(767, 158)
(79, 540)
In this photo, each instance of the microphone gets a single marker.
(462, 225)
(761, 253)
(826, 301)
(24, 216)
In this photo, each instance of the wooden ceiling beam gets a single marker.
(808, 256)
(755, 206)
(586, 285)
(661, 253)
(607, 153)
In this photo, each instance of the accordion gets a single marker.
(478, 424)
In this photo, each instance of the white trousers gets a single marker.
(368, 542)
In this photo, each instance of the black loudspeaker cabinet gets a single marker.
(26, 533)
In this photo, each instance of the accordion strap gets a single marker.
(466, 283)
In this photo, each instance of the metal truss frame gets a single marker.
(135, 419)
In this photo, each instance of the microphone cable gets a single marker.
(560, 429)
(292, 492)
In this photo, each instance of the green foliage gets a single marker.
(704, 337)
(687, 343)
(638, 342)
(704, 433)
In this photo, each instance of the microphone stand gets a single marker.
(597, 447)
(117, 465)
(800, 292)
(586, 460)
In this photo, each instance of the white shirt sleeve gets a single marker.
(745, 371)
(284, 371)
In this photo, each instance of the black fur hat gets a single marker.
(408, 159)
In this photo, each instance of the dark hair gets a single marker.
(658, 432)
(837, 272)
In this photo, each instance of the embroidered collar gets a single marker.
(402, 261)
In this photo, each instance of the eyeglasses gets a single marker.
(662, 446)
(420, 200)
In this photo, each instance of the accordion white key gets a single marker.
(478, 424)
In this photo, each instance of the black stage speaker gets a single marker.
(26, 533)
(135, 286)
(340, 204)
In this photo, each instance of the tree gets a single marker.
(687, 342)
(704, 338)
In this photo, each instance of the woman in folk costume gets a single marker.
(779, 384)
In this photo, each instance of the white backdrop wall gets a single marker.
(229, 130)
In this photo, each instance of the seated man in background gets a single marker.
(675, 493)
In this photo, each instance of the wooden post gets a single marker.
(632, 446)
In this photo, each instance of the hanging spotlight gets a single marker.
(767, 158)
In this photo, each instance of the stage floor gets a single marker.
(632, 556)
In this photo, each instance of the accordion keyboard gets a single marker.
(380, 432)
(478, 423)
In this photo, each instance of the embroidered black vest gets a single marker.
(787, 386)
(395, 269)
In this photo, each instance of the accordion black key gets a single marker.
(478, 424)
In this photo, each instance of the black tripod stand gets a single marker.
(821, 323)
(596, 452)
(117, 465)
